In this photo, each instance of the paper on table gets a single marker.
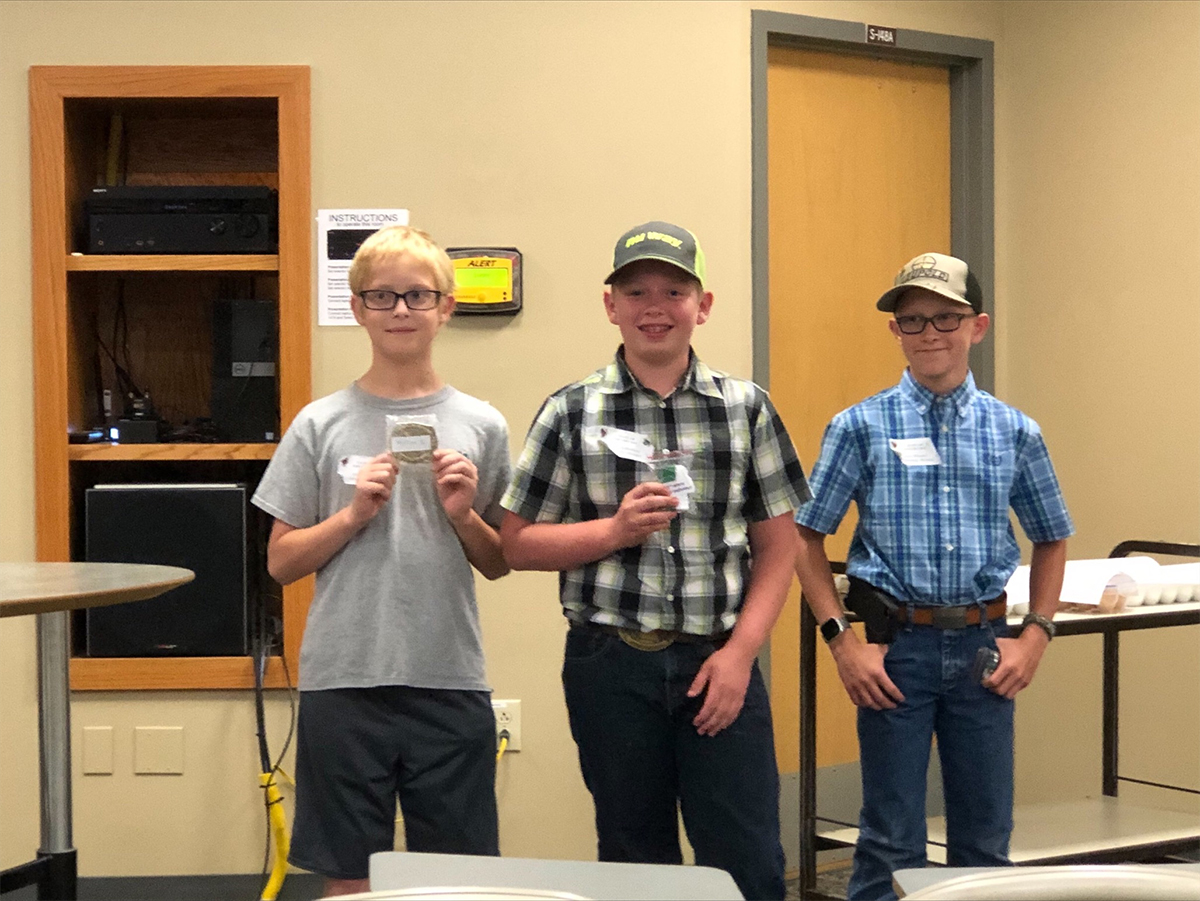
(1085, 581)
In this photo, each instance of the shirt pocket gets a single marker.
(720, 468)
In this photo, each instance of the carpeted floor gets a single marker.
(831, 883)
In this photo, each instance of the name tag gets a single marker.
(348, 467)
(915, 451)
(627, 445)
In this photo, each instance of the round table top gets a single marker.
(46, 587)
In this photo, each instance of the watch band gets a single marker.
(833, 627)
(1036, 619)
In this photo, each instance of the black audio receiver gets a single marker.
(182, 219)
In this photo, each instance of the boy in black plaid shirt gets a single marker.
(662, 492)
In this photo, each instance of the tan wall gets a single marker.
(1098, 245)
(552, 127)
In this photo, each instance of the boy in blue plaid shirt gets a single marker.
(933, 465)
(663, 493)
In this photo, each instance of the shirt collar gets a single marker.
(618, 379)
(923, 399)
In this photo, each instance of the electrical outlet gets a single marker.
(508, 718)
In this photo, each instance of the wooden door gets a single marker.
(859, 183)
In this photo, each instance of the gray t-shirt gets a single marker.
(395, 606)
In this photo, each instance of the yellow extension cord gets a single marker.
(279, 830)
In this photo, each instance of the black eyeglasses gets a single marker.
(943, 322)
(417, 299)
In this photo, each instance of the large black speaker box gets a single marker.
(199, 527)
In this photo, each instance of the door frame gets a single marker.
(972, 198)
(972, 237)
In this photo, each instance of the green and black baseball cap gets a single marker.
(660, 241)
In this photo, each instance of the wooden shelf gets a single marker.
(170, 125)
(153, 452)
(172, 673)
(230, 262)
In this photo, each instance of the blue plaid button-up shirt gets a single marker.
(936, 534)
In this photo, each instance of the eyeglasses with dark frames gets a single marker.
(417, 299)
(942, 322)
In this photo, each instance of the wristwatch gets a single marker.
(1036, 619)
(833, 627)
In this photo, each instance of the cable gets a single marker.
(273, 801)
(503, 736)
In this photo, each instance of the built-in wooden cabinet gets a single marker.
(159, 125)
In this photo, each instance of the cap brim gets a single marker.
(651, 256)
(887, 303)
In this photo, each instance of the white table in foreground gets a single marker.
(588, 878)
(1062, 831)
(909, 882)
(50, 590)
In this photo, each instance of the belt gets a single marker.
(952, 617)
(655, 639)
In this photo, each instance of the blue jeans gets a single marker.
(644, 762)
(974, 728)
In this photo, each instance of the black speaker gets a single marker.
(199, 527)
(245, 393)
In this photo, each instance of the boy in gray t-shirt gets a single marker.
(389, 490)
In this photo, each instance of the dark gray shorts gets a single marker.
(357, 749)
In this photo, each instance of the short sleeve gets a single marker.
(290, 488)
(776, 485)
(1036, 496)
(835, 478)
(537, 491)
(494, 475)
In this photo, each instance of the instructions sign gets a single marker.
(339, 234)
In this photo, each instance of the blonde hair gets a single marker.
(401, 240)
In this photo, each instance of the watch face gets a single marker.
(831, 629)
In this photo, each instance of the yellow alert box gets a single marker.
(486, 279)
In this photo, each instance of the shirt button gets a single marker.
(670, 597)
(671, 549)
(949, 547)
(945, 428)
(945, 488)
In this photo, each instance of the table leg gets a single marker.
(808, 752)
(1111, 711)
(54, 734)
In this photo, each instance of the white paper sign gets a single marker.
(915, 451)
(339, 234)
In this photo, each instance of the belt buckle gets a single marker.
(654, 640)
(950, 617)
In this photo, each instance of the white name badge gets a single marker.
(915, 451)
(626, 445)
(348, 467)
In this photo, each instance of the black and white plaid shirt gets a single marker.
(691, 577)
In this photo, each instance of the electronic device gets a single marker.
(486, 279)
(136, 431)
(986, 661)
(244, 405)
(181, 219)
(201, 527)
